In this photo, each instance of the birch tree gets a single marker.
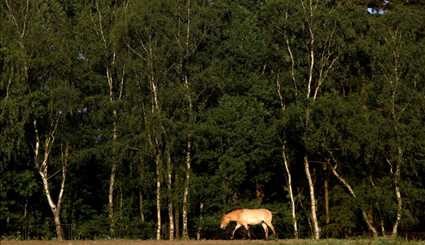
(147, 52)
(350, 190)
(170, 195)
(284, 150)
(38, 40)
(42, 163)
(185, 211)
(105, 19)
(320, 63)
(395, 158)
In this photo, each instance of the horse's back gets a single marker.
(260, 211)
(255, 216)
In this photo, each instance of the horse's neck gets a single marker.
(236, 215)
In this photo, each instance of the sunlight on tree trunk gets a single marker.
(158, 196)
(313, 202)
(42, 166)
(284, 155)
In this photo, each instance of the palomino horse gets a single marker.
(245, 217)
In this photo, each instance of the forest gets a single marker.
(142, 119)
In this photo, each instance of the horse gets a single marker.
(245, 217)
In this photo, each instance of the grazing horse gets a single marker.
(245, 217)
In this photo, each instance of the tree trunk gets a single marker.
(141, 210)
(141, 201)
(158, 196)
(114, 166)
(198, 232)
(186, 190)
(259, 193)
(394, 80)
(381, 221)
(42, 167)
(111, 198)
(317, 71)
(326, 195)
(177, 220)
(113, 91)
(113, 174)
(155, 109)
(291, 194)
(58, 225)
(110, 82)
(313, 202)
(284, 157)
(366, 218)
(170, 198)
(396, 177)
(185, 232)
(311, 63)
(369, 221)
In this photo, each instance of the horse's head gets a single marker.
(224, 221)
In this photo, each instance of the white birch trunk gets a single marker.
(308, 15)
(351, 191)
(114, 166)
(170, 198)
(156, 110)
(399, 200)
(396, 181)
(198, 232)
(158, 196)
(111, 189)
(58, 225)
(394, 80)
(112, 99)
(284, 157)
(43, 165)
(313, 202)
(291, 194)
(185, 232)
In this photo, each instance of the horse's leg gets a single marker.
(247, 229)
(271, 227)
(237, 227)
(266, 231)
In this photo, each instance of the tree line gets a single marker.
(150, 119)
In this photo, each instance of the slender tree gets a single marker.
(284, 152)
(104, 19)
(394, 80)
(185, 212)
(350, 190)
(170, 197)
(322, 62)
(46, 142)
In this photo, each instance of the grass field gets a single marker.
(219, 242)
